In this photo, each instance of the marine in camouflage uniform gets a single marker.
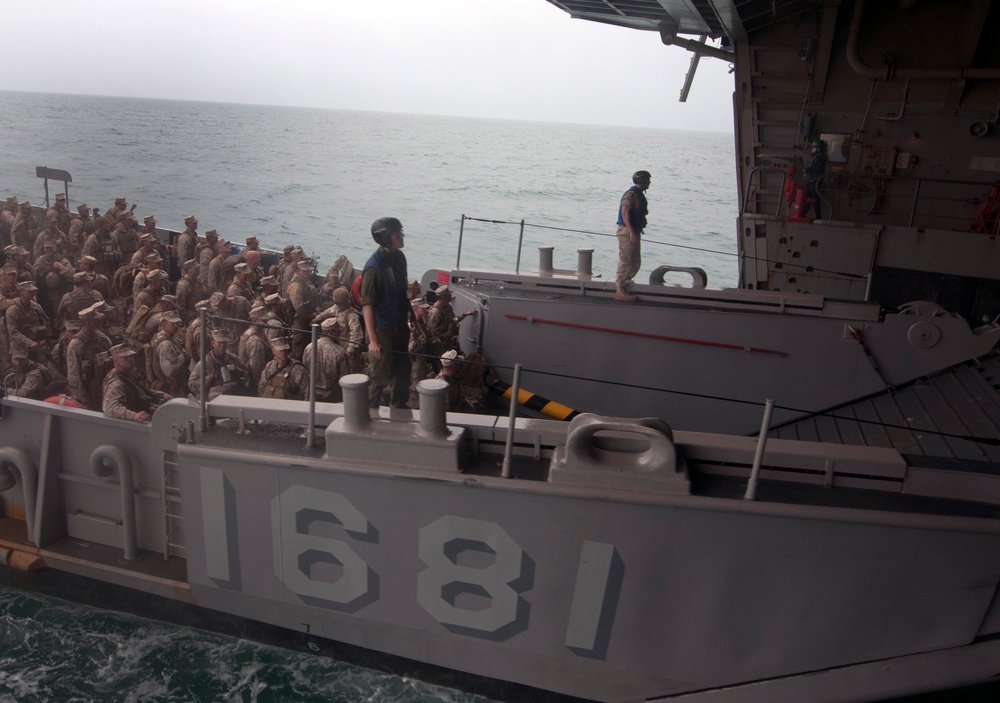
(189, 291)
(52, 234)
(241, 283)
(125, 397)
(27, 323)
(7, 216)
(87, 360)
(303, 297)
(82, 296)
(103, 247)
(352, 337)
(187, 241)
(283, 378)
(224, 372)
(54, 278)
(29, 380)
(331, 363)
(170, 365)
(204, 253)
(78, 232)
(254, 351)
(24, 227)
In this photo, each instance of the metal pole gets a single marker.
(311, 429)
(520, 241)
(758, 458)
(202, 383)
(461, 233)
(508, 450)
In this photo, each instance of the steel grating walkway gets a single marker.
(953, 415)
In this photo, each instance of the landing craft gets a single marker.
(850, 551)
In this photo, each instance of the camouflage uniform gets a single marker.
(255, 352)
(103, 248)
(170, 364)
(76, 300)
(124, 395)
(331, 364)
(189, 292)
(27, 323)
(185, 246)
(226, 375)
(288, 382)
(86, 366)
(32, 383)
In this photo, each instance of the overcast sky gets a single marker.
(506, 59)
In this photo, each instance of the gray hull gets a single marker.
(668, 583)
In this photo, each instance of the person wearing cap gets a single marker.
(241, 285)
(24, 227)
(254, 349)
(77, 233)
(386, 314)
(283, 377)
(102, 246)
(170, 365)
(451, 366)
(224, 372)
(441, 324)
(7, 216)
(53, 276)
(236, 309)
(125, 236)
(87, 361)
(117, 209)
(184, 245)
(154, 290)
(62, 213)
(288, 275)
(17, 256)
(331, 362)
(274, 317)
(82, 296)
(189, 291)
(352, 329)
(277, 270)
(50, 233)
(204, 253)
(152, 262)
(29, 379)
(255, 271)
(301, 293)
(217, 267)
(266, 286)
(101, 283)
(125, 396)
(253, 244)
(8, 287)
(146, 241)
(632, 211)
(27, 323)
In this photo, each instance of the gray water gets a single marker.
(318, 178)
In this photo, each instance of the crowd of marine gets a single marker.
(101, 312)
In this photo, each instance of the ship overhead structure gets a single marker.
(906, 96)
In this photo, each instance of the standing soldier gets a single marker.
(241, 285)
(283, 378)
(125, 397)
(8, 287)
(152, 263)
(24, 227)
(217, 267)
(189, 291)
(17, 256)
(102, 246)
(62, 213)
(7, 217)
(77, 233)
(87, 360)
(303, 297)
(254, 350)
(352, 329)
(82, 296)
(51, 233)
(100, 283)
(151, 294)
(331, 363)
(203, 254)
(187, 240)
(288, 275)
(54, 277)
(170, 363)
(274, 317)
(125, 236)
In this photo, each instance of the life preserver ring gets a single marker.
(64, 400)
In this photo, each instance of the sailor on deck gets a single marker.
(632, 212)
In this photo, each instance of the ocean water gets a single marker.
(318, 178)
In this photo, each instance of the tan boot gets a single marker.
(624, 296)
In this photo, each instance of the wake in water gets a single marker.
(51, 650)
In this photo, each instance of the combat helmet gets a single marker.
(383, 228)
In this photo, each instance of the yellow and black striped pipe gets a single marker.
(534, 402)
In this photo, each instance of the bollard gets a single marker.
(545, 259)
(433, 407)
(357, 416)
(585, 262)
